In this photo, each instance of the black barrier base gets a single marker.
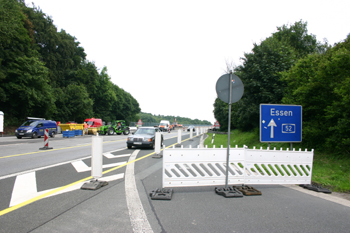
(228, 192)
(315, 188)
(94, 184)
(45, 148)
(157, 156)
(248, 190)
(161, 194)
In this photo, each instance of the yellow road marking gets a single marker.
(12, 208)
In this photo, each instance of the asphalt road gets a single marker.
(43, 188)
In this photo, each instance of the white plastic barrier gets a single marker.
(207, 166)
(96, 157)
(179, 137)
(157, 141)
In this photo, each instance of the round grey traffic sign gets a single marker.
(223, 88)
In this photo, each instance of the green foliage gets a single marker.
(44, 73)
(24, 86)
(77, 102)
(260, 74)
(291, 67)
(330, 172)
(321, 84)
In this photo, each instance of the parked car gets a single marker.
(143, 137)
(191, 127)
(35, 128)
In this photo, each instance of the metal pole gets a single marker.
(229, 131)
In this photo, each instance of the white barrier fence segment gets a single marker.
(278, 166)
(184, 167)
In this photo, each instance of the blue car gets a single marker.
(36, 128)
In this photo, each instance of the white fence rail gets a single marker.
(207, 166)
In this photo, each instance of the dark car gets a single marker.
(191, 127)
(143, 137)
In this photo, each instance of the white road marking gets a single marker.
(138, 218)
(80, 166)
(41, 168)
(25, 187)
(112, 156)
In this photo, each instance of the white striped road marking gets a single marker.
(80, 166)
(25, 187)
(112, 156)
(138, 218)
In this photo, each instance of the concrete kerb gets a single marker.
(201, 142)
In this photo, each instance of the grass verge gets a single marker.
(329, 170)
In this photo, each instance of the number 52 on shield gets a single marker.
(288, 128)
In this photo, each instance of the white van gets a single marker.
(164, 125)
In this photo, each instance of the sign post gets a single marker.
(229, 88)
(2, 123)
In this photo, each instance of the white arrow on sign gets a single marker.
(272, 124)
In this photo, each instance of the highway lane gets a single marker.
(191, 209)
(26, 178)
(18, 155)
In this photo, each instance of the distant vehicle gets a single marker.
(35, 128)
(133, 128)
(143, 137)
(175, 124)
(93, 122)
(191, 127)
(117, 127)
(164, 125)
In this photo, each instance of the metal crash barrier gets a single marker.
(184, 167)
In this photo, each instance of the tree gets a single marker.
(24, 87)
(78, 102)
(321, 84)
(260, 73)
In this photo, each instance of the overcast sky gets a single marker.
(169, 54)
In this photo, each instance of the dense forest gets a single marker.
(45, 73)
(292, 67)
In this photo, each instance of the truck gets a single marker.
(93, 122)
(93, 125)
(117, 127)
(164, 126)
